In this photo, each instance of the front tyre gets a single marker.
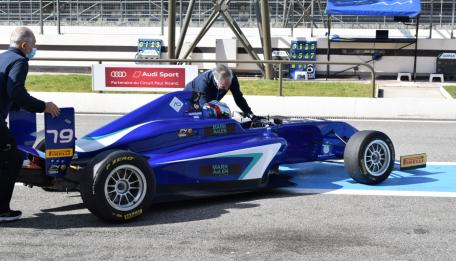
(118, 186)
(369, 157)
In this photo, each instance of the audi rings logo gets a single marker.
(118, 74)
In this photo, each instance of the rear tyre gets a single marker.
(118, 186)
(369, 157)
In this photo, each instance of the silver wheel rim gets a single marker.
(377, 157)
(125, 187)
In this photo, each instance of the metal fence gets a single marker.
(284, 13)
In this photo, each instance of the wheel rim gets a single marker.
(125, 187)
(377, 157)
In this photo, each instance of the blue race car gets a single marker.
(172, 148)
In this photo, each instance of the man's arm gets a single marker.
(238, 96)
(19, 95)
(17, 92)
(203, 89)
(201, 86)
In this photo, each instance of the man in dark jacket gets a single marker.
(13, 95)
(214, 84)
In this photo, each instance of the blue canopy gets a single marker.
(408, 8)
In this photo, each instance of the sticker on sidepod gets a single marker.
(220, 170)
(220, 129)
(413, 161)
(326, 151)
(176, 104)
(182, 133)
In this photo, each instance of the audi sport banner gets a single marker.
(142, 77)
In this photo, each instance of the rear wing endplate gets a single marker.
(59, 138)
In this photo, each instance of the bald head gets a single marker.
(22, 35)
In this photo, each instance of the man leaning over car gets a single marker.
(214, 84)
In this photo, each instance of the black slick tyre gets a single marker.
(118, 186)
(369, 157)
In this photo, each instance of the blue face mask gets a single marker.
(31, 54)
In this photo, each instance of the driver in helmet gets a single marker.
(214, 84)
(217, 110)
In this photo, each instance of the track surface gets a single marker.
(284, 224)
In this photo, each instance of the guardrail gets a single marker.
(190, 61)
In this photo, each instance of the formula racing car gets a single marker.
(172, 148)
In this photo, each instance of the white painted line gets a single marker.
(99, 114)
(353, 120)
(397, 120)
(375, 192)
(442, 163)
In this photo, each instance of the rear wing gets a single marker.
(59, 136)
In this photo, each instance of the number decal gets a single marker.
(65, 136)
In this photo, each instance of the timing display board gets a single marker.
(303, 51)
(150, 46)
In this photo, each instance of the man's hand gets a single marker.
(257, 118)
(52, 109)
(253, 117)
(247, 115)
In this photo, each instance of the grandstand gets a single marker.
(283, 13)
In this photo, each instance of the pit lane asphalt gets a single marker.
(258, 226)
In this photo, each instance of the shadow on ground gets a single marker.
(294, 178)
(160, 213)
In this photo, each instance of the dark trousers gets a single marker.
(10, 166)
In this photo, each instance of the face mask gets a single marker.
(31, 54)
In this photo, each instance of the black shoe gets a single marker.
(10, 216)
